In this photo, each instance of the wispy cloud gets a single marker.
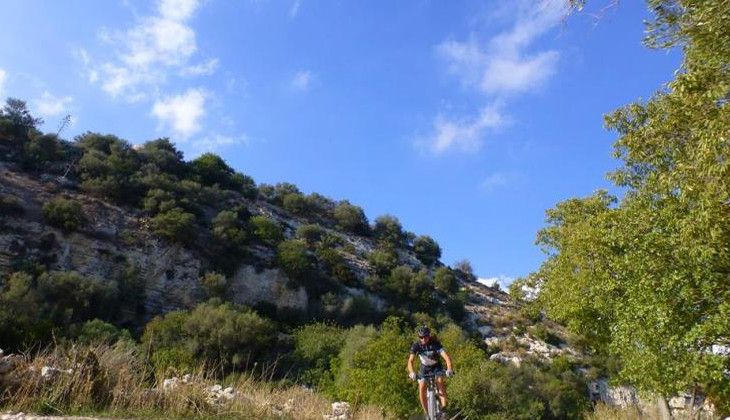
(181, 113)
(501, 280)
(3, 78)
(494, 180)
(301, 81)
(217, 141)
(462, 134)
(498, 69)
(294, 9)
(49, 106)
(146, 55)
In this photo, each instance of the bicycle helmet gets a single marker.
(423, 331)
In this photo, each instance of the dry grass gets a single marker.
(115, 381)
(604, 412)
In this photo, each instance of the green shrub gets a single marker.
(244, 184)
(215, 284)
(210, 169)
(221, 335)
(97, 331)
(266, 230)
(316, 347)
(351, 218)
(383, 261)
(310, 233)
(444, 281)
(388, 231)
(108, 168)
(42, 150)
(230, 230)
(335, 265)
(64, 214)
(10, 205)
(427, 250)
(295, 203)
(175, 225)
(295, 260)
(164, 156)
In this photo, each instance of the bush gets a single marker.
(210, 169)
(383, 261)
(427, 250)
(221, 335)
(295, 203)
(10, 205)
(215, 284)
(164, 156)
(244, 184)
(64, 214)
(229, 230)
(266, 230)
(316, 347)
(444, 281)
(335, 266)
(351, 218)
(310, 233)
(42, 150)
(99, 332)
(389, 231)
(175, 225)
(294, 259)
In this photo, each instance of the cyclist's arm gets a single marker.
(447, 359)
(409, 366)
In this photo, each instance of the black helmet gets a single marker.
(423, 331)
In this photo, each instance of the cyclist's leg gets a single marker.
(422, 394)
(441, 385)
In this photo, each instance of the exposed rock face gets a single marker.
(269, 285)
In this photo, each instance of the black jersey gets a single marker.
(429, 354)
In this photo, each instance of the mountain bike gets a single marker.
(433, 403)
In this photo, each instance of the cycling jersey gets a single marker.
(428, 354)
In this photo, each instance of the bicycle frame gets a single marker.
(432, 400)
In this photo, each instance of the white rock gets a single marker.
(48, 372)
(720, 350)
(485, 330)
(170, 384)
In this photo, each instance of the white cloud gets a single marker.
(205, 68)
(463, 134)
(49, 105)
(492, 181)
(147, 54)
(301, 81)
(182, 113)
(501, 280)
(498, 69)
(294, 9)
(216, 142)
(3, 78)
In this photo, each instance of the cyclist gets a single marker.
(428, 349)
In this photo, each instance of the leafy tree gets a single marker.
(18, 122)
(164, 156)
(310, 233)
(266, 230)
(64, 213)
(42, 150)
(97, 331)
(175, 225)
(383, 260)
(335, 265)
(389, 231)
(211, 169)
(427, 250)
(216, 284)
(295, 203)
(653, 268)
(316, 347)
(444, 281)
(230, 230)
(351, 218)
(374, 373)
(108, 168)
(295, 260)
(244, 184)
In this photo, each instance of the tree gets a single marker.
(646, 279)
(295, 203)
(175, 225)
(427, 250)
(294, 259)
(444, 281)
(164, 156)
(351, 218)
(266, 230)
(211, 169)
(64, 213)
(383, 260)
(389, 231)
(310, 233)
(20, 121)
(230, 230)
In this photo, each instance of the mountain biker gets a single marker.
(428, 349)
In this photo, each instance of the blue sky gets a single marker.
(467, 120)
